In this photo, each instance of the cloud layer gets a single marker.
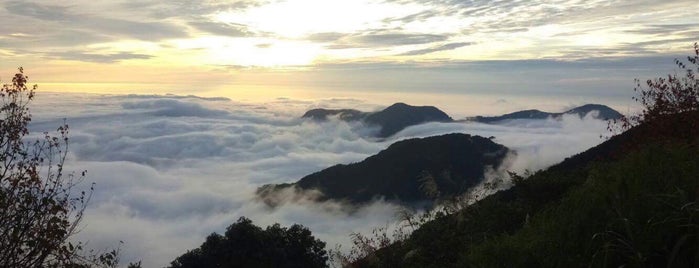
(501, 29)
(172, 169)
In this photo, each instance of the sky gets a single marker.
(180, 109)
(171, 169)
(261, 50)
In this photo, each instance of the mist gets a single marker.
(169, 170)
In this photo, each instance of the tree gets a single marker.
(674, 95)
(40, 206)
(246, 245)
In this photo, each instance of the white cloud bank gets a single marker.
(170, 170)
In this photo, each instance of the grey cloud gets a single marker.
(419, 16)
(516, 15)
(150, 31)
(170, 96)
(174, 108)
(175, 179)
(92, 57)
(667, 29)
(39, 38)
(43, 12)
(225, 29)
(187, 8)
(385, 39)
(450, 46)
(325, 37)
(398, 39)
(602, 76)
(184, 204)
(64, 18)
(630, 50)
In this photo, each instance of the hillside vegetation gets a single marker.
(629, 202)
(602, 112)
(390, 120)
(408, 172)
(636, 208)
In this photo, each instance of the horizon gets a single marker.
(310, 49)
(180, 110)
(170, 170)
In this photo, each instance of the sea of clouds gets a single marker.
(169, 170)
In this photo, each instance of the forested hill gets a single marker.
(390, 120)
(631, 201)
(408, 171)
(603, 112)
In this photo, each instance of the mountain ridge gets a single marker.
(603, 113)
(407, 172)
(391, 120)
(636, 188)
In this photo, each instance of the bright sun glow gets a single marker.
(272, 54)
(297, 18)
(250, 52)
(226, 40)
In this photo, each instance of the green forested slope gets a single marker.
(629, 201)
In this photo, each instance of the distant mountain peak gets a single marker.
(398, 105)
(392, 119)
(400, 115)
(453, 163)
(321, 114)
(603, 113)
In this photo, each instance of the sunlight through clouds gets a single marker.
(297, 18)
(237, 41)
(171, 169)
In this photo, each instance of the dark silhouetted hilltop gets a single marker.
(342, 114)
(603, 113)
(400, 115)
(638, 189)
(408, 171)
(391, 120)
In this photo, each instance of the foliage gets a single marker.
(630, 202)
(39, 206)
(640, 211)
(382, 248)
(246, 245)
(38, 211)
(415, 172)
(672, 95)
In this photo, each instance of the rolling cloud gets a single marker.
(149, 31)
(223, 29)
(92, 57)
(444, 47)
(172, 169)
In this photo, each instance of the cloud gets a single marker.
(100, 58)
(666, 29)
(398, 38)
(186, 8)
(42, 12)
(444, 47)
(169, 170)
(325, 37)
(223, 29)
(174, 108)
(63, 18)
(169, 96)
(43, 37)
(386, 39)
(419, 16)
(506, 16)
